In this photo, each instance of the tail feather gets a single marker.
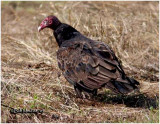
(123, 87)
(133, 81)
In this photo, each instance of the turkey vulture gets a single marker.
(87, 64)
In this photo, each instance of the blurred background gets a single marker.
(30, 76)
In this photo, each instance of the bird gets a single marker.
(87, 64)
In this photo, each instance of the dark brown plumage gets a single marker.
(87, 64)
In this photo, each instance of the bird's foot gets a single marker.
(85, 96)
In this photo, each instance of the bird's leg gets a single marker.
(85, 95)
(94, 93)
(90, 95)
(78, 92)
(82, 94)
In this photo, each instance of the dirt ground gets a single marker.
(31, 78)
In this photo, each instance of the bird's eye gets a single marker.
(50, 22)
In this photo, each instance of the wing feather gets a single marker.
(91, 65)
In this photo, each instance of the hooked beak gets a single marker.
(39, 28)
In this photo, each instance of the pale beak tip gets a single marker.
(39, 28)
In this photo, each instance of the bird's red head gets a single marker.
(49, 22)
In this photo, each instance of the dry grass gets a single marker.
(30, 76)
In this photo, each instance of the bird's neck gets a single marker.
(55, 26)
(64, 33)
